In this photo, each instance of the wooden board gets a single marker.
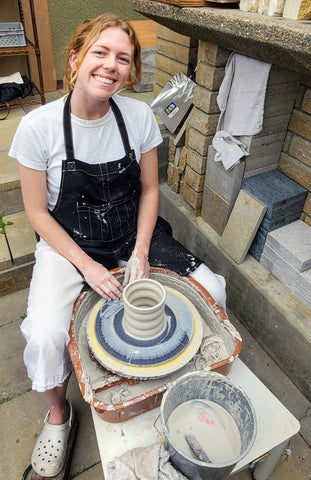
(145, 31)
(196, 3)
(64, 474)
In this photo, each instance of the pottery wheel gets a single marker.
(132, 357)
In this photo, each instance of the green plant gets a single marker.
(3, 224)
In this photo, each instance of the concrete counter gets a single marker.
(276, 40)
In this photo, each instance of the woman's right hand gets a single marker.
(102, 281)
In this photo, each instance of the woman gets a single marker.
(88, 172)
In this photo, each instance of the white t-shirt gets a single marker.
(39, 139)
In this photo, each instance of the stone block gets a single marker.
(205, 99)
(157, 89)
(257, 143)
(274, 190)
(306, 102)
(215, 210)
(276, 265)
(242, 226)
(183, 159)
(209, 76)
(282, 219)
(193, 198)
(300, 149)
(274, 108)
(170, 66)
(256, 164)
(194, 179)
(300, 123)
(292, 86)
(304, 280)
(279, 75)
(161, 79)
(226, 184)
(275, 124)
(196, 162)
(258, 244)
(293, 243)
(21, 238)
(179, 53)
(295, 170)
(203, 122)
(5, 257)
(213, 54)
(198, 142)
(171, 36)
(307, 205)
(171, 149)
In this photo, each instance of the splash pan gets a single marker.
(119, 396)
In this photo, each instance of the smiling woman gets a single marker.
(89, 177)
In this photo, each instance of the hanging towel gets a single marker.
(229, 150)
(143, 463)
(241, 95)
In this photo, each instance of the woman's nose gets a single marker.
(109, 62)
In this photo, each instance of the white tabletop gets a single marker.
(275, 424)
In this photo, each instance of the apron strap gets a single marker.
(121, 125)
(68, 129)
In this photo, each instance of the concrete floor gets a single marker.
(22, 411)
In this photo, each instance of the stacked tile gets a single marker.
(265, 147)
(287, 255)
(284, 199)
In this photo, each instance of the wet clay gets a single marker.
(212, 426)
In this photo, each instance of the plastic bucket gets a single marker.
(216, 388)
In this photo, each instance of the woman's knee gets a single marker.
(215, 284)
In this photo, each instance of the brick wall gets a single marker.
(188, 150)
(295, 159)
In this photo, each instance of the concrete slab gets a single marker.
(21, 421)
(21, 238)
(13, 306)
(5, 257)
(242, 226)
(293, 243)
(8, 172)
(279, 267)
(13, 374)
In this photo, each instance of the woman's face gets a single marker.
(106, 65)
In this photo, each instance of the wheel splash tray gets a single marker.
(116, 398)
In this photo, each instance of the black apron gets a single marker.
(97, 205)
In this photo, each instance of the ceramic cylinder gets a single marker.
(144, 309)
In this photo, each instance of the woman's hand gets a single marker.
(137, 267)
(102, 281)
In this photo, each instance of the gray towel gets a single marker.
(229, 150)
(144, 463)
(241, 95)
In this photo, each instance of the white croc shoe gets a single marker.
(49, 455)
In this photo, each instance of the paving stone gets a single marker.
(293, 243)
(242, 226)
(13, 306)
(226, 184)
(215, 210)
(275, 190)
(9, 178)
(5, 257)
(276, 265)
(13, 374)
(21, 238)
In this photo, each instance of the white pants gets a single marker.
(54, 287)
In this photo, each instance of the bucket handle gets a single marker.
(155, 426)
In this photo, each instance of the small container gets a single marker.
(12, 35)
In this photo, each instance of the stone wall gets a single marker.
(295, 159)
(188, 150)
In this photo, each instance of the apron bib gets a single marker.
(98, 204)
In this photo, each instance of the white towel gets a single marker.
(229, 150)
(144, 463)
(241, 95)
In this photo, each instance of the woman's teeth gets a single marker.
(103, 80)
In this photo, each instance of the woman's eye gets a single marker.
(124, 60)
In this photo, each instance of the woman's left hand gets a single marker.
(137, 267)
